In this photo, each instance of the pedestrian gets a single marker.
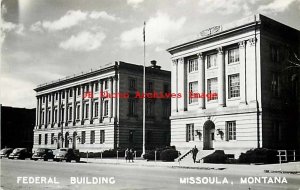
(131, 155)
(195, 152)
(127, 154)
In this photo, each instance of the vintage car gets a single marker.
(67, 154)
(43, 153)
(5, 152)
(19, 153)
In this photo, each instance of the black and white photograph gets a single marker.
(150, 94)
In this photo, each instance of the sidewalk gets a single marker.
(291, 167)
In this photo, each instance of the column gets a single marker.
(115, 99)
(242, 54)
(52, 110)
(221, 78)
(66, 107)
(81, 104)
(59, 109)
(46, 112)
(201, 81)
(100, 101)
(182, 85)
(91, 102)
(74, 106)
(37, 112)
(174, 89)
(251, 68)
(110, 103)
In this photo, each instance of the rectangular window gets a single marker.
(96, 109)
(150, 87)
(212, 88)
(233, 56)
(105, 108)
(193, 65)
(43, 117)
(43, 99)
(212, 61)
(70, 113)
(78, 112)
(275, 85)
(132, 84)
(62, 114)
(149, 108)
(82, 137)
(234, 85)
(193, 88)
(49, 98)
(52, 138)
(70, 93)
(102, 136)
(166, 110)
(106, 84)
(275, 54)
(87, 106)
(189, 132)
(46, 138)
(49, 115)
(92, 137)
(63, 95)
(78, 91)
(56, 96)
(230, 130)
(55, 115)
(166, 88)
(96, 87)
(40, 139)
(132, 107)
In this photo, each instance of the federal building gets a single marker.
(249, 65)
(73, 112)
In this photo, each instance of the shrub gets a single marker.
(150, 154)
(218, 157)
(259, 155)
(169, 155)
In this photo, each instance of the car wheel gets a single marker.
(68, 160)
(45, 159)
(78, 160)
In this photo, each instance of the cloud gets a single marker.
(84, 41)
(158, 29)
(103, 15)
(71, 18)
(10, 27)
(18, 93)
(276, 6)
(221, 6)
(134, 3)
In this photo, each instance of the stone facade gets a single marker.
(74, 107)
(246, 64)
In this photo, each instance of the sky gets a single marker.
(44, 40)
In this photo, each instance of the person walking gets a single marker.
(127, 154)
(195, 152)
(131, 155)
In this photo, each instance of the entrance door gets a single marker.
(74, 140)
(67, 140)
(209, 135)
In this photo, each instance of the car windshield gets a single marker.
(3, 151)
(40, 150)
(17, 150)
(63, 150)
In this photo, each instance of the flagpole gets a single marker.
(144, 89)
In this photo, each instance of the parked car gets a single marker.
(20, 153)
(43, 153)
(5, 152)
(67, 154)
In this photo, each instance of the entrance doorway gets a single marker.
(74, 140)
(67, 140)
(209, 135)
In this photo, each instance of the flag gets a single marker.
(144, 35)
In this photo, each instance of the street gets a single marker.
(15, 175)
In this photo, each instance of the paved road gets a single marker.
(125, 177)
